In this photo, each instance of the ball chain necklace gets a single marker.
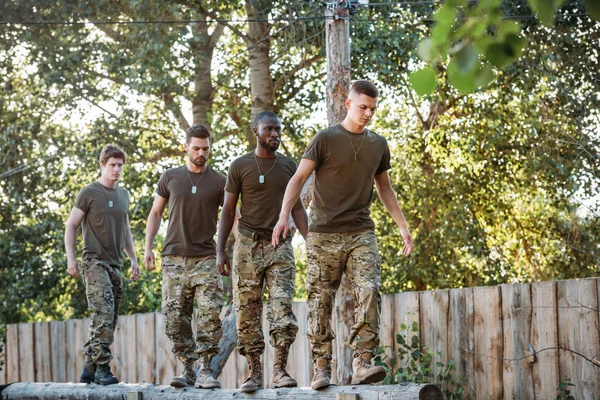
(261, 176)
(195, 185)
(110, 199)
(355, 151)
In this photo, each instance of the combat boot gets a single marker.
(187, 378)
(89, 371)
(364, 372)
(103, 375)
(255, 380)
(280, 376)
(205, 379)
(322, 377)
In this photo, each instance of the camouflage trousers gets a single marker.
(329, 255)
(257, 264)
(186, 279)
(104, 290)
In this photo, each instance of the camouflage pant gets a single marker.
(328, 256)
(104, 290)
(255, 264)
(186, 278)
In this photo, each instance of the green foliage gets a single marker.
(414, 362)
(2, 346)
(563, 392)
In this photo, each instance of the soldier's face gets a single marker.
(361, 108)
(112, 169)
(198, 150)
(268, 133)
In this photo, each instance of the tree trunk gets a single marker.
(338, 83)
(259, 44)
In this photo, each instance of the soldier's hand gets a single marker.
(73, 268)
(223, 263)
(281, 228)
(408, 242)
(149, 260)
(135, 272)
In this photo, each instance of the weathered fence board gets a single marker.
(578, 333)
(488, 342)
(386, 332)
(487, 332)
(461, 344)
(434, 325)
(544, 338)
(516, 316)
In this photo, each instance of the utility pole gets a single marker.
(337, 28)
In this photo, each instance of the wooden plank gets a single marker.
(26, 353)
(342, 322)
(406, 311)
(228, 377)
(487, 303)
(578, 331)
(129, 368)
(72, 353)
(145, 347)
(461, 343)
(516, 318)
(12, 353)
(386, 329)
(269, 354)
(79, 340)
(544, 336)
(58, 351)
(434, 325)
(149, 391)
(165, 360)
(43, 352)
(299, 360)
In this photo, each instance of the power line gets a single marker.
(162, 22)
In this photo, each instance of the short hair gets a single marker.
(197, 131)
(261, 116)
(365, 87)
(111, 151)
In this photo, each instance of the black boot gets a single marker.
(88, 372)
(104, 376)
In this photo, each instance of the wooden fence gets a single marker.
(490, 333)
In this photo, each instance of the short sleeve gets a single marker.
(384, 165)
(315, 150)
(234, 182)
(222, 193)
(162, 189)
(83, 201)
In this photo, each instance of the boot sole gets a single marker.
(107, 383)
(320, 385)
(283, 385)
(378, 377)
(250, 390)
(203, 386)
(178, 384)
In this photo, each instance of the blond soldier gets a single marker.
(260, 178)
(193, 193)
(103, 209)
(347, 158)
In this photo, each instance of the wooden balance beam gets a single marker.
(124, 391)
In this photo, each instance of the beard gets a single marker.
(273, 146)
(199, 162)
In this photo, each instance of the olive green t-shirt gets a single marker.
(261, 202)
(343, 189)
(192, 216)
(104, 227)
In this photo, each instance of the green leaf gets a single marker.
(497, 55)
(463, 81)
(445, 15)
(592, 7)
(415, 327)
(466, 58)
(508, 27)
(426, 49)
(484, 76)
(423, 81)
(545, 9)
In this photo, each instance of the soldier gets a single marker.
(347, 158)
(103, 208)
(260, 177)
(194, 193)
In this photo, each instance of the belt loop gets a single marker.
(255, 236)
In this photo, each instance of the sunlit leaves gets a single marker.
(423, 81)
(545, 9)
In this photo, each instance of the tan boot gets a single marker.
(255, 379)
(187, 378)
(322, 377)
(364, 372)
(205, 379)
(280, 376)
